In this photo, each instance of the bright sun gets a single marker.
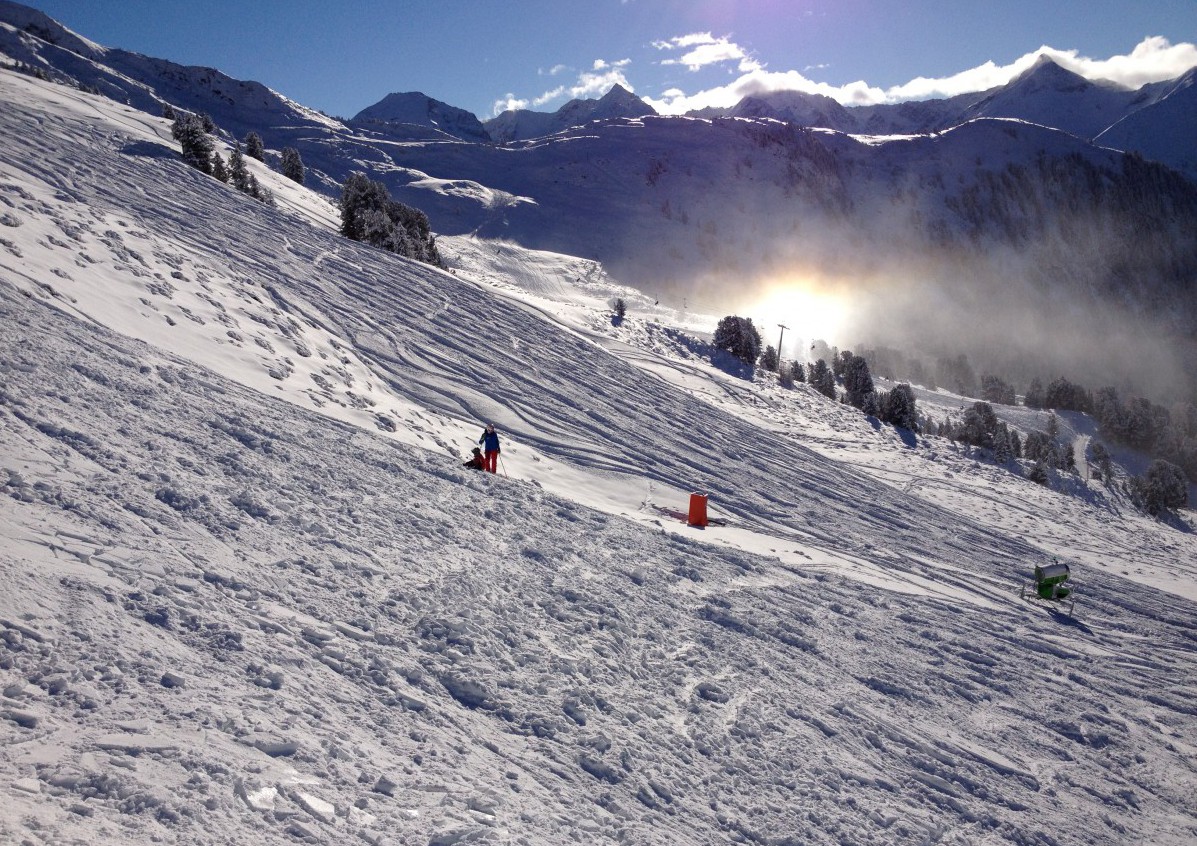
(808, 310)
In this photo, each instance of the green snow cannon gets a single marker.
(1049, 581)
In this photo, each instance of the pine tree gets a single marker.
(253, 147)
(858, 382)
(1100, 457)
(978, 425)
(368, 214)
(1034, 395)
(898, 407)
(1067, 396)
(1163, 487)
(218, 169)
(1067, 458)
(995, 389)
(822, 379)
(621, 309)
(1001, 444)
(168, 111)
(1038, 447)
(196, 146)
(769, 360)
(292, 165)
(739, 337)
(797, 371)
(238, 171)
(207, 122)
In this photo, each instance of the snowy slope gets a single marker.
(1164, 128)
(1044, 231)
(250, 595)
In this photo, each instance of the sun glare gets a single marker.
(807, 310)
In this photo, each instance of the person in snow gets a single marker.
(490, 443)
(476, 462)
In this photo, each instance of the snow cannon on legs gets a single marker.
(1050, 584)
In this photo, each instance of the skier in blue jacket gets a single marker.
(490, 445)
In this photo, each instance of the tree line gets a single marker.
(368, 213)
(1167, 435)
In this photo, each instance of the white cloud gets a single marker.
(554, 70)
(705, 50)
(593, 83)
(510, 102)
(1154, 59)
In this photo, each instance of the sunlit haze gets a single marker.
(807, 309)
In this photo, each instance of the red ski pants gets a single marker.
(492, 461)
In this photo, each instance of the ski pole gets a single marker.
(504, 466)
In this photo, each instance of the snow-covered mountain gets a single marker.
(1045, 94)
(411, 114)
(1050, 95)
(525, 124)
(1164, 128)
(1046, 233)
(250, 594)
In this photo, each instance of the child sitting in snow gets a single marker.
(477, 462)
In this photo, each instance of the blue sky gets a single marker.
(482, 55)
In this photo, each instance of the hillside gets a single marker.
(1080, 257)
(252, 595)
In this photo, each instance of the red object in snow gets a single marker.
(698, 510)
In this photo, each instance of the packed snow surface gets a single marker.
(250, 595)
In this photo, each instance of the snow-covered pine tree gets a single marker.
(822, 379)
(898, 407)
(978, 425)
(368, 214)
(1101, 461)
(218, 168)
(1001, 444)
(292, 165)
(194, 142)
(858, 382)
(739, 337)
(238, 171)
(1034, 395)
(1162, 488)
(253, 146)
(996, 389)
(1039, 447)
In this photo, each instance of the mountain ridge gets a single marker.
(523, 124)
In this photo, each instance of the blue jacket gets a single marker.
(490, 440)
